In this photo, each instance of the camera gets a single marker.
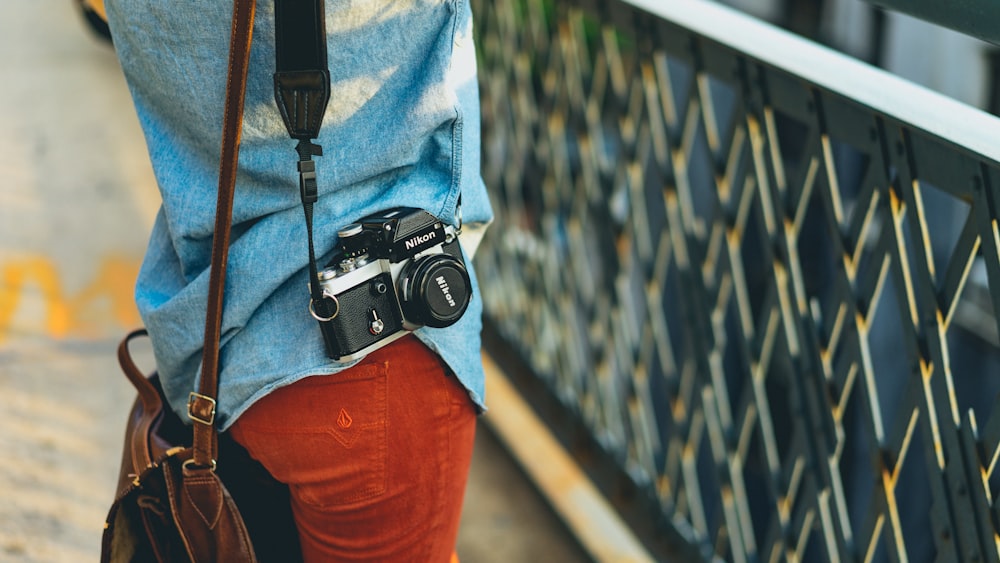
(392, 273)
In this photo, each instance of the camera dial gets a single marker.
(354, 242)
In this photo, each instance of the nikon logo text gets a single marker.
(443, 284)
(420, 239)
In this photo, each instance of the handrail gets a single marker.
(977, 18)
(734, 261)
(910, 103)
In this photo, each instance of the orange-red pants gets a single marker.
(376, 457)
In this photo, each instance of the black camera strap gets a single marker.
(302, 91)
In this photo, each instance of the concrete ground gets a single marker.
(76, 203)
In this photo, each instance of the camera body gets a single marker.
(393, 272)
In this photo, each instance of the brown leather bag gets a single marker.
(171, 504)
(168, 509)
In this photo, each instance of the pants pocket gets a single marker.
(326, 436)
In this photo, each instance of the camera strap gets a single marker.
(302, 91)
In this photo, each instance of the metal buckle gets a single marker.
(195, 397)
(188, 464)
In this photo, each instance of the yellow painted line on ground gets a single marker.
(106, 301)
(571, 494)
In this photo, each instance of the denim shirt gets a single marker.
(401, 129)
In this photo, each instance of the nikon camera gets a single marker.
(394, 272)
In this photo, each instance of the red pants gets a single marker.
(376, 457)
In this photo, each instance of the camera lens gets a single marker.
(438, 290)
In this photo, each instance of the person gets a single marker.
(376, 452)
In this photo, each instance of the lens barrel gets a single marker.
(437, 290)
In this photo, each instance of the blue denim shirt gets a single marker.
(402, 129)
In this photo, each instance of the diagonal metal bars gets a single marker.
(743, 278)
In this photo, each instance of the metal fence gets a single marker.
(762, 276)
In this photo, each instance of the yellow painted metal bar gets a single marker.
(587, 514)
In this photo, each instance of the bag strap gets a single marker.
(201, 404)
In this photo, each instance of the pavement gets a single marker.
(77, 202)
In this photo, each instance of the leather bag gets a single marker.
(171, 503)
(168, 509)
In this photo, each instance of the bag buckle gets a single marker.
(201, 408)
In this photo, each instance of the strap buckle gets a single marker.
(307, 181)
(190, 464)
(201, 408)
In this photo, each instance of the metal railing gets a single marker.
(737, 260)
(977, 18)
